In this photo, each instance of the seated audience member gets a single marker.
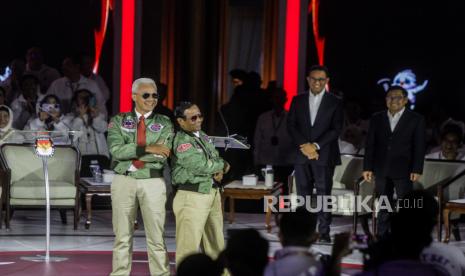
(246, 253)
(198, 264)
(92, 125)
(72, 81)
(450, 143)
(25, 105)
(399, 252)
(35, 65)
(296, 234)
(448, 259)
(11, 84)
(49, 117)
(7, 132)
(351, 140)
(273, 145)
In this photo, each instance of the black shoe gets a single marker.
(324, 238)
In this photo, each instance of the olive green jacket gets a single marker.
(122, 143)
(194, 162)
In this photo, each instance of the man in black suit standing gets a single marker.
(314, 124)
(395, 151)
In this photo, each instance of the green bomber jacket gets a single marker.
(122, 143)
(194, 162)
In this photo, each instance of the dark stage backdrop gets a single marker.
(369, 40)
(58, 27)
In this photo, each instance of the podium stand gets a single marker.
(230, 142)
(44, 147)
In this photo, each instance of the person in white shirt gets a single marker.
(72, 81)
(273, 145)
(394, 151)
(451, 141)
(25, 105)
(91, 124)
(35, 65)
(49, 116)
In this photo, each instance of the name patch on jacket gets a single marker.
(156, 127)
(184, 147)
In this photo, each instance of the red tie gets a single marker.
(140, 140)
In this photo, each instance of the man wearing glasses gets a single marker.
(197, 172)
(139, 142)
(395, 150)
(314, 124)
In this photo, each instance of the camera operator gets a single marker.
(49, 117)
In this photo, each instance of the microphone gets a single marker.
(226, 141)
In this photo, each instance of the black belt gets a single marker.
(195, 187)
(154, 173)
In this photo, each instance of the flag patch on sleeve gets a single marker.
(184, 147)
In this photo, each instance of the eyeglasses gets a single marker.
(145, 96)
(195, 117)
(394, 98)
(318, 80)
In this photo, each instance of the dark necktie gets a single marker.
(140, 140)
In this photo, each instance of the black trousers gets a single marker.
(384, 186)
(309, 176)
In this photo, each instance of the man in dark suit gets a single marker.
(395, 150)
(314, 124)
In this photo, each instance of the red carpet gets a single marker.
(78, 263)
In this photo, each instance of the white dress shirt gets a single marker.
(394, 119)
(146, 115)
(314, 102)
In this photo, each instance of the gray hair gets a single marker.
(141, 81)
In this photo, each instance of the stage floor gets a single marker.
(89, 251)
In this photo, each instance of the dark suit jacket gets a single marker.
(324, 132)
(395, 154)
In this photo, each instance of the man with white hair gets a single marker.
(139, 142)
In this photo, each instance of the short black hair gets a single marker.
(45, 99)
(26, 77)
(198, 264)
(398, 87)
(452, 128)
(4, 108)
(181, 108)
(297, 228)
(318, 68)
(3, 91)
(246, 252)
(238, 74)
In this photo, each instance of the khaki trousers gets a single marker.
(199, 222)
(151, 196)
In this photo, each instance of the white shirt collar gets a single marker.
(197, 133)
(146, 115)
(397, 114)
(317, 95)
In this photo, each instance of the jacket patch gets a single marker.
(129, 123)
(156, 127)
(111, 125)
(184, 147)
